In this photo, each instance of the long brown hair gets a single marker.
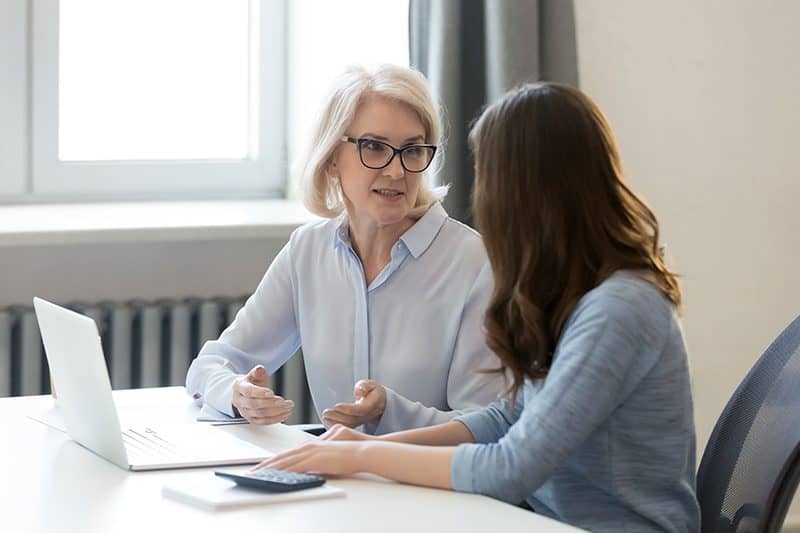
(556, 217)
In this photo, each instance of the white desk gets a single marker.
(50, 483)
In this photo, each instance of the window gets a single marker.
(162, 99)
(14, 129)
(325, 37)
(158, 94)
(151, 98)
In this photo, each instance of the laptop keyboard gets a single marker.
(146, 445)
(187, 443)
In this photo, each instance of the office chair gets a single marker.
(751, 465)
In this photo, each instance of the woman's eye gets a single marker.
(414, 151)
(372, 145)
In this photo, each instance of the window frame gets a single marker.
(14, 128)
(262, 173)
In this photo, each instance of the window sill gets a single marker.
(47, 224)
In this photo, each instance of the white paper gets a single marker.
(217, 418)
(211, 492)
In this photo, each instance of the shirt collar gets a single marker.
(420, 236)
(341, 236)
(417, 238)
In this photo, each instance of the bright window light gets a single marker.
(325, 37)
(153, 80)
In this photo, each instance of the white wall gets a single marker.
(704, 98)
(148, 270)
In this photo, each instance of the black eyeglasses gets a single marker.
(378, 154)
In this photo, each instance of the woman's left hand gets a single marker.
(369, 406)
(322, 457)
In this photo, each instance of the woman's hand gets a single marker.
(320, 457)
(420, 465)
(256, 402)
(369, 406)
(340, 432)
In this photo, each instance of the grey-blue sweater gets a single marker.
(606, 441)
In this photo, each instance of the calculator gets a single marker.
(270, 480)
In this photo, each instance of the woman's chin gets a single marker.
(391, 216)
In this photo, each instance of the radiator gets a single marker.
(146, 344)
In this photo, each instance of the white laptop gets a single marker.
(77, 366)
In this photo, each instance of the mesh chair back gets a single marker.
(750, 467)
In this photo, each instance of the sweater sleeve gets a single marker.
(609, 344)
(492, 422)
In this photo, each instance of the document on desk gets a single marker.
(207, 491)
(217, 418)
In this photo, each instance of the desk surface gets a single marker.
(50, 483)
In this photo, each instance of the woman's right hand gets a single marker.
(256, 402)
(342, 432)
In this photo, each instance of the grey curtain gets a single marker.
(472, 51)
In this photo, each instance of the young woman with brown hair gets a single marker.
(597, 427)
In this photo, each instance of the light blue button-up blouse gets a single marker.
(416, 328)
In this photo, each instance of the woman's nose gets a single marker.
(395, 168)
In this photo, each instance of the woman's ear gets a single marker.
(332, 170)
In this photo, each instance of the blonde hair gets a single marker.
(322, 194)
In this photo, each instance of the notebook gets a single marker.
(210, 492)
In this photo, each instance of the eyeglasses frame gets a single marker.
(395, 151)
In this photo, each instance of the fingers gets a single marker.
(262, 398)
(332, 432)
(265, 420)
(335, 458)
(257, 371)
(273, 409)
(330, 420)
(289, 463)
(250, 390)
(304, 464)
(350, 409)
(259, 405)
(268, 420)
(349, 414)
(370, 404)
(258, 375)
(284, 460)
(331, 417)
(341, 432)
(364, 387)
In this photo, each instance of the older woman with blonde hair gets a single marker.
(385, 295)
